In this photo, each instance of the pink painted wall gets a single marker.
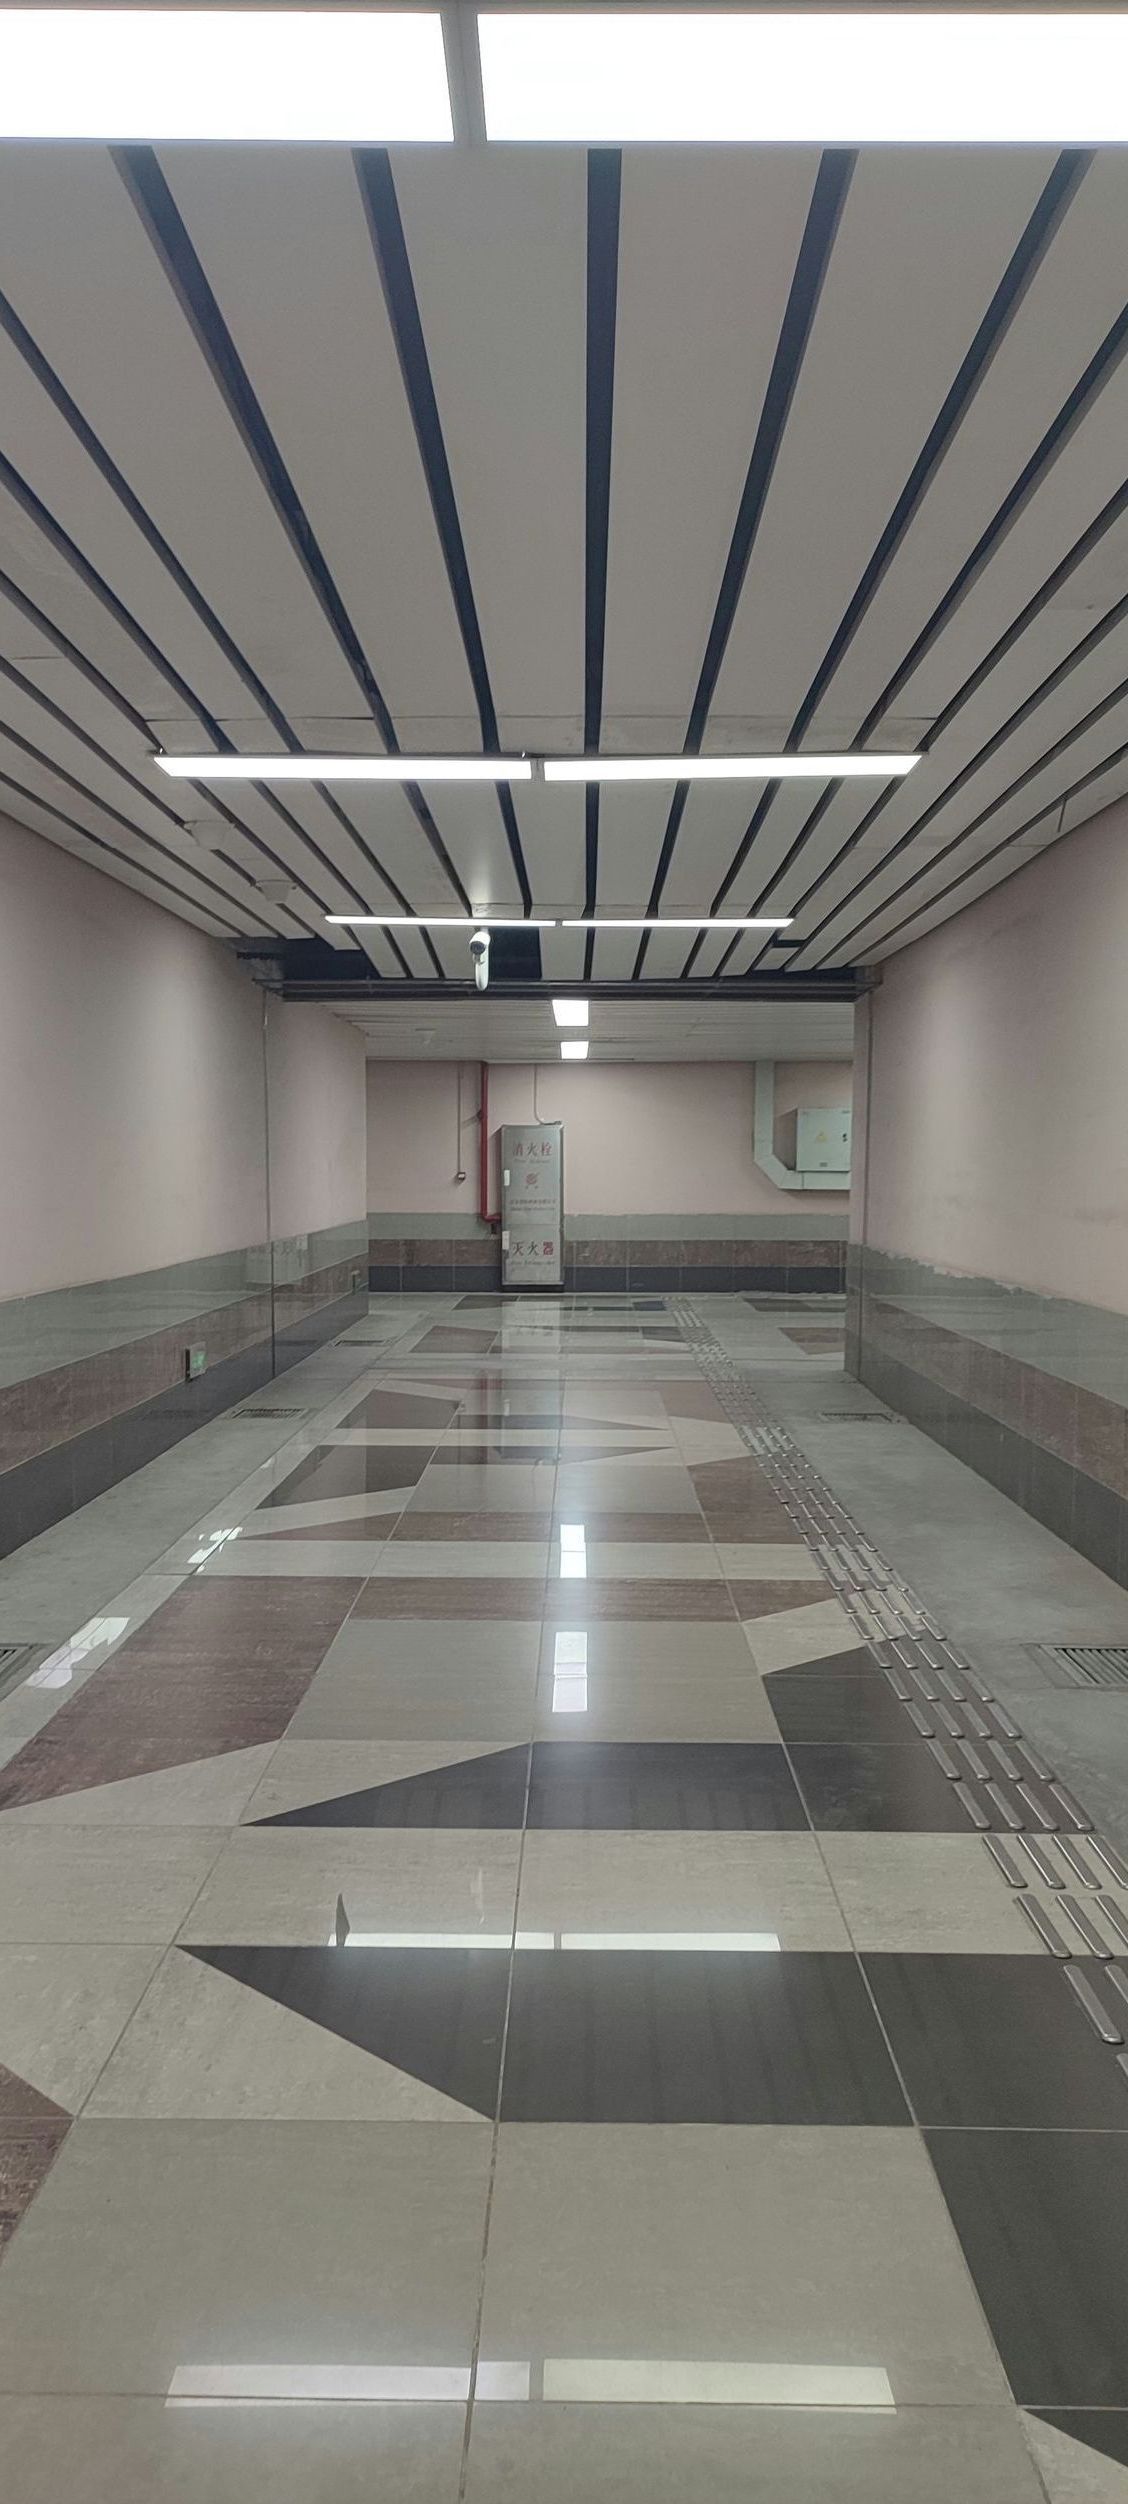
(318, 1142)
(644, 1137)
(998, 1129)
(131, 1104)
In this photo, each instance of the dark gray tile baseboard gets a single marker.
(707, 1268)
(44, 1490)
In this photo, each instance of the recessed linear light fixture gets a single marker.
(387, 769)
(341, 75)
(852, 766)
(653, 921)
(489, 921)
(609, 76)
(575, 1051)
(429, 921)
(570, 1012)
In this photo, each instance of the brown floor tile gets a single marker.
(221, 1665)
(620, 1529)
(474, 1526)
(27, 2152)
(21, 2102)
(420, 1596)
(574, 1602)
(765, 1599)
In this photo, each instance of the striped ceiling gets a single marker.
(551, 448)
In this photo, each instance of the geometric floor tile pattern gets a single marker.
(503, 1935)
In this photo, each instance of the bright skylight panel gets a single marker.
(843, 79)
(125, 75)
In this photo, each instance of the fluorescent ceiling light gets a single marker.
(570, 1012)
(236, 74)
(574, 1051)
(389, 769)
(608, 921)
(610, 76)
(428, 921)
(854, 765)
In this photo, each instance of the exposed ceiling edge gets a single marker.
(343, 975)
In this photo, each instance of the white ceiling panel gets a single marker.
(924, 239)
(1077, 294)
(708, 240)
(497, 241)
(70, 240)
(270, 227)
(497, 249)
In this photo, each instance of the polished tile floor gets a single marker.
(515, 1983)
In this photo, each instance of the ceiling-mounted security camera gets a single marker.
(480, 951)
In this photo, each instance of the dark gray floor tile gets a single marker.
(681, 2036)
(1040, 2215)
(437, 2013)
(350, 1469)
(837, 1703)
(479, 1791)
(999, 2042)
(1102, 2430)
(662, 1784)
(856, 1787)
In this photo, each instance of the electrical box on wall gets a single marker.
(815, 1140)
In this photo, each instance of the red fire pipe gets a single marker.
(488, 1216)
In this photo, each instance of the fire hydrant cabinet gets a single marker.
(532, 1204)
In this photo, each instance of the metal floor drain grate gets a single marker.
(270, 1412)
(1089, 1664)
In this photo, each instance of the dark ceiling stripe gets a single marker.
(93, 799)
(828, 199)
(1001, 649)
(45, 521)
(8, 782)
(604, 200)
(75, 730)
(87, 669)
(1099, 370)
(1041, 227)
(37, 512)
(389, 244)
(1048, 686)
(111, 695)
(154, 203)
(1078, 730)
(96, 451)
(61, 399)
(1085, 782)
(145, 182)
(1112, 512)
